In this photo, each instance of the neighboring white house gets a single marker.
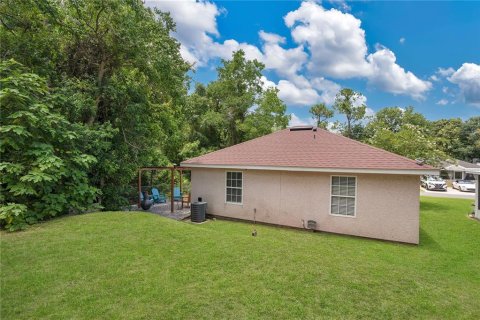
(458, 170)
(306, 177)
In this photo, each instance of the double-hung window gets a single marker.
(234, 186)
(343, 192)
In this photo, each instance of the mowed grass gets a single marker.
(123, 265)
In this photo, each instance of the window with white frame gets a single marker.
(343, 192)
(234, 186)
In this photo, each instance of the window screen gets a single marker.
(343, 193)
(234, 187)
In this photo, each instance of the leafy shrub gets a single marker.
(43, 170)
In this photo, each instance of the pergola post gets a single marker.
(181, 193)
(172, 184)
(139, 187)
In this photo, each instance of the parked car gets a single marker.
(464, 185)
(433, 183)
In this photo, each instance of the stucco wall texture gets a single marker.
(387, 206)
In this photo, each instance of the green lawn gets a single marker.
(137, 265)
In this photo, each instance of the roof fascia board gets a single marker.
(304, 169)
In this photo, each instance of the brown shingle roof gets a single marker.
(306, 149)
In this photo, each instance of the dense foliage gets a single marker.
(44, 171)
(234, 108)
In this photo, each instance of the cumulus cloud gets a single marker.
(296, 121)
(467, 77)
(442, 102)
(286, 62)
(445, 72)
(328, 89)
(196, 23)
(402, 40)
(295, 95)
(338, 49)
(335, 40)
(329, 43)
(387, 75)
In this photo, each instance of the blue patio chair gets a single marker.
(158, 197)
(177, 195)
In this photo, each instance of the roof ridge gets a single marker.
(368, 145)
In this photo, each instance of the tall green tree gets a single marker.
(43, 165)
(448, 136)
(233, 108)
(269, 116)
(235, 91)
(470, 137)
(321, 113)
(405, 132)
(347, 102)
(118, 67)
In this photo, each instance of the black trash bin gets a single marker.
(198, 211)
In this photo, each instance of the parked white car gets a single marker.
(434, 183)
(464, 185)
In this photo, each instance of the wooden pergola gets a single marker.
(172, 181)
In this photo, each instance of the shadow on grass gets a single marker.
(426, 241)
(434, 207)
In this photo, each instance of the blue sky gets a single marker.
(423, 54)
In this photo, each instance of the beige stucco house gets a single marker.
(306, 177)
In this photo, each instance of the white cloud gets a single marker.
(298, 96)
(328, 89)
(296, 121)
(335, 40)
(286, 62)
(271, 37)
(267, 83)
(192, 32)
(467, 77)
(329, 43)
(338, 49)
(434, 78)
(196, 27)
(445, 72)
(389, 76)
(402, 40)
(442, 102)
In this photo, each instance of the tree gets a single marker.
(448, 136)
(43, 168)
(117, 68)
(405, 132)
(268, 117)
(470, 137)
(409, 141)
(348, 102)
(233, 108)
(235, 92)
(321, 113)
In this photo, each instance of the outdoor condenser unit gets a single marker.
(198, 212)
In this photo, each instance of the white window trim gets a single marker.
(330, 197)
(241, 188)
